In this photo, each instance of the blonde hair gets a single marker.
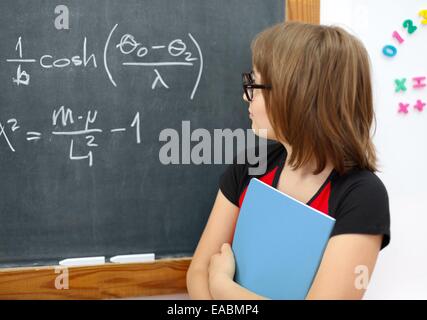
(321, 99)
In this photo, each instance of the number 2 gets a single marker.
(15, 124)
(90, 143)
(409, 24)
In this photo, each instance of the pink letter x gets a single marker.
(403, 108)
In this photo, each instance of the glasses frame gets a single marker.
(249, 84)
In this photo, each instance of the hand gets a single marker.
(221, 267)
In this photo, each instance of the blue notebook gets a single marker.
(278, 243)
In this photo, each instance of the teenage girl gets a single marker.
(310, 91)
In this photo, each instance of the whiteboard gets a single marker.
(400, 138)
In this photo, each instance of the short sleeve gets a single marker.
(229, 182)
(364, 209)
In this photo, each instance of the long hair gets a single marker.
(321, 100)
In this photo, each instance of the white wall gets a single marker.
(401, 141)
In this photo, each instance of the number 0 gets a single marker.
(390, 51)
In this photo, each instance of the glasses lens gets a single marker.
(248, 80)
(250, 93)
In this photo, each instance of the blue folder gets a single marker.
(278, 243)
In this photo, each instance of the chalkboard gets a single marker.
(86, 90)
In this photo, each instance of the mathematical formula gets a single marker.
(64, 118)
(178, 50)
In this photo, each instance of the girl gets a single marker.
(310, 90)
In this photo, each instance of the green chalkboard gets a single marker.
(82, 108)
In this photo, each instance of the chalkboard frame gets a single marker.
(165, 276)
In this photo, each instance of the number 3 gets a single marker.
(423, 13)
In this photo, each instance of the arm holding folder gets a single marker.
(335, 278)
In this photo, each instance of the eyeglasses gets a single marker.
(249, 85)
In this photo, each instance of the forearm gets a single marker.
(198, 285)
(227, 289)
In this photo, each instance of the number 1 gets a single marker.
(136, 122)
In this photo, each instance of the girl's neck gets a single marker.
(305, 172)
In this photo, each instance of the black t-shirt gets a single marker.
(358, 200)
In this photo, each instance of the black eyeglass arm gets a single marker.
(257, 86)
